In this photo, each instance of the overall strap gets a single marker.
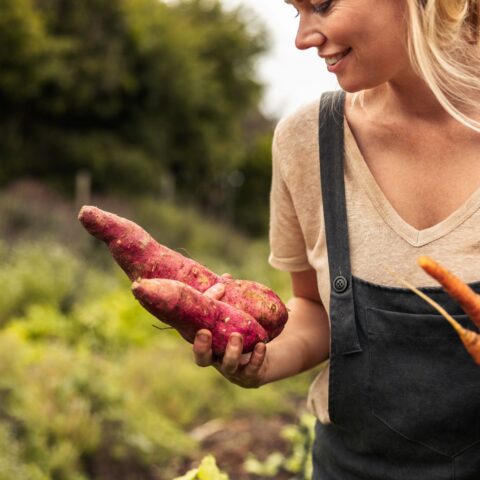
(331, 137)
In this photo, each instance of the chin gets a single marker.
(354, 86)
(351, 89)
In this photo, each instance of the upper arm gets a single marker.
(287, 241)
(308, 327)
(304, 284)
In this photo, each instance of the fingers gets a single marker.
(244, 370)
(215, 291)
(202, 348)
(218, 290)
(252, 368)
(233, 353)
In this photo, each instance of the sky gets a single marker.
(292, 77)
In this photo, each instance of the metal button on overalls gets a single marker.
(404, 396)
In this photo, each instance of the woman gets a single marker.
(398, 177)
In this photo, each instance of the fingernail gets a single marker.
(235, 340)
(203, 337)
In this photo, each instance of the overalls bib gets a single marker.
(404, 396)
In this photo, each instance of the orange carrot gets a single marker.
(459, 291)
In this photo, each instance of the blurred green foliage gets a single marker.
(158, 102)
(146, 96)
(207, 470)
(298, 461)
(88, 388)
(91, 381)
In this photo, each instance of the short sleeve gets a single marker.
(287, 243)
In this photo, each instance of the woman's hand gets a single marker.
(303, 343)
(247, 370)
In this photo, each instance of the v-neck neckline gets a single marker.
(412, 235)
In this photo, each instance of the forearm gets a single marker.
(304, 342)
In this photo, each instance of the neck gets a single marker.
(406, 101)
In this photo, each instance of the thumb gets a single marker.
(215, 291)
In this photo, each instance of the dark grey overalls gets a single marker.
(404, 396)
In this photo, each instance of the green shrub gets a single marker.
(46, 272)
(11, 463)
(87, 383)
(71, 405)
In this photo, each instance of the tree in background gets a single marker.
(144, 95)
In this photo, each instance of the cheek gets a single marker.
(384, 47)
(369, 68)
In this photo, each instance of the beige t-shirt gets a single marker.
(378, 236)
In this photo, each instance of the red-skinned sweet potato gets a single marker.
(140, 256)
(188, 310)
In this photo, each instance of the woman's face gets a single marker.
(362, 41)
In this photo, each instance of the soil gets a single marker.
(231, 442)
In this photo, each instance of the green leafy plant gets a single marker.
(207, 470)
(298, 461)
(86, 382)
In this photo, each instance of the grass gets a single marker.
(86, 383)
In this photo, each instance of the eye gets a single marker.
(322, 7)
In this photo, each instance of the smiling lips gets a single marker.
(333, 59)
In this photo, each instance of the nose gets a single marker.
(308, 34)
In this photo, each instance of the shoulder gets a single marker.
(301, 123)
(296, 138)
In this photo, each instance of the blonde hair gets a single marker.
(444, 49)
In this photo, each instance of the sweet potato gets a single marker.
(140, 256)
(187, 310)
